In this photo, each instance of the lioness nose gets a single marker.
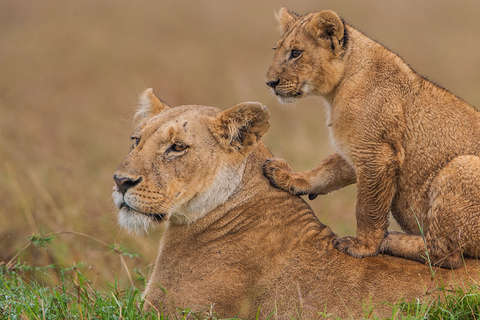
(125, 183)
(273, 84)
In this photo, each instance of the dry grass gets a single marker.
(70, 72)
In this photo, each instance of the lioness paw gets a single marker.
(351, 246)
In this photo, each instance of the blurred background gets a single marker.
(71, 73)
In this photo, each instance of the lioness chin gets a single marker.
(411, 147)
(234, 242)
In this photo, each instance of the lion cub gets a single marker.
(411, 146)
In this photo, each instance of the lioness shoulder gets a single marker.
(412, 148)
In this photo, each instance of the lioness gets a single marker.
(234, 241)
(411, 147)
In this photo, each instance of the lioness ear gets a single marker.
(149, 105)
(241, 126)
(327, 24)
(285, 18)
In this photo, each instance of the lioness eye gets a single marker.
(178, 146)
(135, 141)
(295, 54)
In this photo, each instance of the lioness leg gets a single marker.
(331, 174)
(452, 224)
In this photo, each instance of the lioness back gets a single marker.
(411, 146)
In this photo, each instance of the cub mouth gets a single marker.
(299, 93)
(289, 98)
(157, 217)
(291, 95)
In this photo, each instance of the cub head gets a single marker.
(184, 161)
(308, 56)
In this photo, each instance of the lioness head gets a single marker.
(172, 171)
(308, 56)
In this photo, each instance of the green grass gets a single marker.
(67, 293)
(52, 292)
(72, 298)
(458, 304)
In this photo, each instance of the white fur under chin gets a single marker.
(224, 186)
(137, 223)
(287, 100)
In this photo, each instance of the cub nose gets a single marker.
(125, 183)
(273, 84)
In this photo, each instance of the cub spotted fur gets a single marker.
(234, 242)
(411, 147)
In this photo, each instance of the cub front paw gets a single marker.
(352, 246)
(278, 172)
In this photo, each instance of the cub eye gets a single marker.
(295, 54)
(135, 141)
(178, 146)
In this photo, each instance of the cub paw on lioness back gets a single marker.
(412, 148)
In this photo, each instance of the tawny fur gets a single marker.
(411, 147)
(261, 249)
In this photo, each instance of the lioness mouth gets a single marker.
(298, 94)
(155, 216)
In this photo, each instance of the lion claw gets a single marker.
(312, 196)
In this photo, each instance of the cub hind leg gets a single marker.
(452, 224)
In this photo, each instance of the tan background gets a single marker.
(71, 71)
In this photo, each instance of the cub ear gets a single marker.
(241, 126)
(148, 106)
(327, 24)
(285, 18)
